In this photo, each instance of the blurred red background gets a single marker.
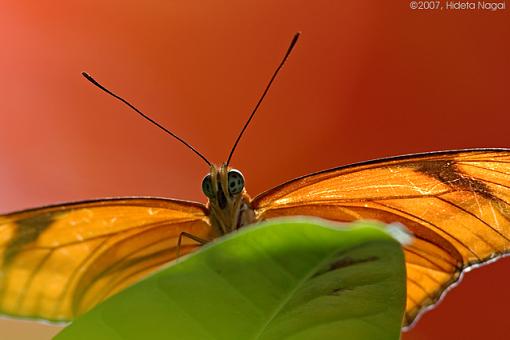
(368, 79)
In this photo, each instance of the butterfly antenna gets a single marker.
(93, 81)
(292, 44)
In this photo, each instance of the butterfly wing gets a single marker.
(456, 203)
(57, 262)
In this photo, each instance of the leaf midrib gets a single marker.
(284, 302)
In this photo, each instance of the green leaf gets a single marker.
(298, 278)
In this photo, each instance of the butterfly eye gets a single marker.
(235, 182)
(207, 186)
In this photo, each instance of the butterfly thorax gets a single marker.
(229, 204)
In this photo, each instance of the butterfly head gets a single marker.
(228, 200)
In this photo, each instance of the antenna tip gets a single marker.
(293, 42)
(91, 79)
(86, 75)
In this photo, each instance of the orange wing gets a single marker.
(57, 262)
(456, 203)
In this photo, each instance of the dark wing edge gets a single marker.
(376, 162)
(106, 200)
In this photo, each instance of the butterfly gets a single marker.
(57, 262)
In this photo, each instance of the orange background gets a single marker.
(368, 79)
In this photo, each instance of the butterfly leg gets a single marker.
(190, 236)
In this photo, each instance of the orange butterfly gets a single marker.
(59, 261)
